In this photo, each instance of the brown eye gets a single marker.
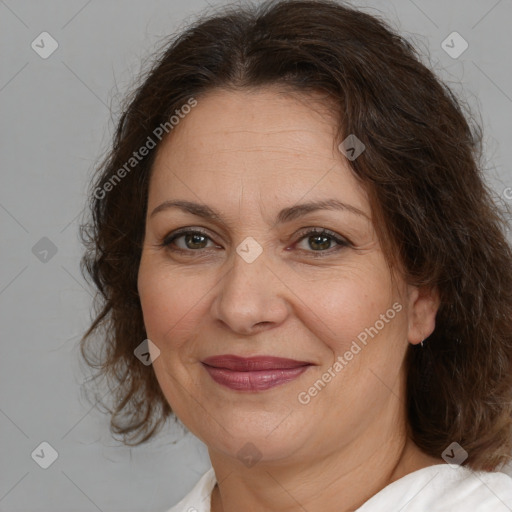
(191, 240)
(321, 241)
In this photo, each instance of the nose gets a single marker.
(250, 297)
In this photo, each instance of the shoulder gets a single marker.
(445, 488)
(198, 499)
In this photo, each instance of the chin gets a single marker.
(269, 440)
(250, 450)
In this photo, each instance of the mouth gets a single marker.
(253, 373)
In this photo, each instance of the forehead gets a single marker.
(263, 142)
(231, 120)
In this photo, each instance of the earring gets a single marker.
(422, 343)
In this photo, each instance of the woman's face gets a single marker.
(254, 282)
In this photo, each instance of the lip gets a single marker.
(253, 373)
(255, 363)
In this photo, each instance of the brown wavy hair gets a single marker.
(422, 168)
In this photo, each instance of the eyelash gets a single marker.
(318, 232)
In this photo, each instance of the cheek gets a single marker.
(339, 305)
(173, 301)
(361, 324)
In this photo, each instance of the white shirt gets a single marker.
(438, 488)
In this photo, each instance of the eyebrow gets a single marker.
(285, 215)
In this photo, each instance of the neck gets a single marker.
(341, 481)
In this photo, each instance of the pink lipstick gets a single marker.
(253, 373)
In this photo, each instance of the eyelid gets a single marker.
(313, 230)
(340, 242)
(184, 231)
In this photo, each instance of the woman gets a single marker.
(293, 229)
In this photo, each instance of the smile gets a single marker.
(255, 373)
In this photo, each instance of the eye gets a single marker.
(315, 240)
(187, 240)
(319, 240)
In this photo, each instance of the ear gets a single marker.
(423, 306)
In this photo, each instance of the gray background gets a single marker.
(56, 122)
